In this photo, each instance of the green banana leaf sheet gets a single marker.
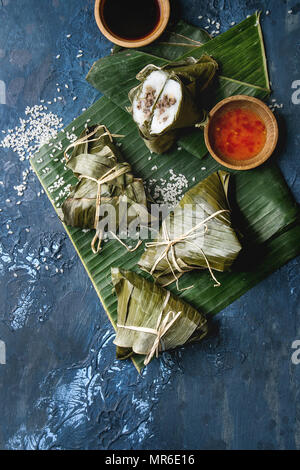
(265, 210)
(115, 75)
(177, 39)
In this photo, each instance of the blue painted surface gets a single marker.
(61, 387)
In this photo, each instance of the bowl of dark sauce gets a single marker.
(132, 23)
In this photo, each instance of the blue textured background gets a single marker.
(61, 387)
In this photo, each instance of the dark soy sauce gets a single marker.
(131, 19)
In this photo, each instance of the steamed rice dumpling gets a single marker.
(168, 99)
(151, 319)
(198, 234)
(104, 180)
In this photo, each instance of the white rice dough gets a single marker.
(143, 103)
(167, 107)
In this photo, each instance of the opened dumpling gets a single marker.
(167, 100)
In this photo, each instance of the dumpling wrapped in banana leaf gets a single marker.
(151, 319)
(104, 179)
(198, 234)
(168, 99)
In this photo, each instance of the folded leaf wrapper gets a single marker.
(168, 99)
(151, 319)
(104, 179)
(197, 235)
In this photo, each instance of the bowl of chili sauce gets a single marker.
(242, 132)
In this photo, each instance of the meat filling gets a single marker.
(145, 104)
(164, 103)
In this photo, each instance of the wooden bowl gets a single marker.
(265, 114)
(159, 29)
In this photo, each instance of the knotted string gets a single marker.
(162, 327)
(110, 175)
(86, 139)
(170, 248)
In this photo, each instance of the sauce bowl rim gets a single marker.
(158, 30)
(270, 122)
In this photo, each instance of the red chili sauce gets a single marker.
(239, 134)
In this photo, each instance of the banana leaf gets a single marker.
(152, 102)
(201, 224)
(175, 42)
(144, 306)
(95, 158)
(265, 209)
(242, 46)
(267, 214)
(240, 52)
